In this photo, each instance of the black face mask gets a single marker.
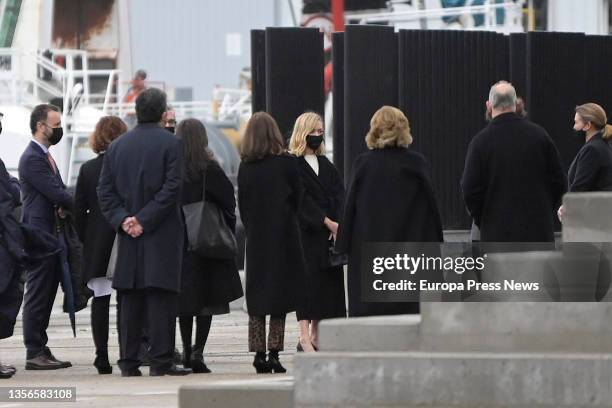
(313, 141)
(56, 136)
(170, 129)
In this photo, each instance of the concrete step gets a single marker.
(384, 333)
(587, 217)
(465, 327)
(438, 379)
(261, 393)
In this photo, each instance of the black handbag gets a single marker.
(208, 234)
(334, 258)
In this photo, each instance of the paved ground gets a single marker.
(225, 355)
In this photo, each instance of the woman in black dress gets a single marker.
(319, 213)
(207, 285)
(389, 199)
(269, 195)
(97, 236)
(591, 169)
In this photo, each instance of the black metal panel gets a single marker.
(294, 74)
(338, 100)
(370, 81)
(555, 85)
(258, 70)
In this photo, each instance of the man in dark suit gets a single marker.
(139, 193)
(513, 180)
(44, 197)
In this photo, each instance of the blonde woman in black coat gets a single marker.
(269, 195)
(319, 213)
(97, 236)
(389, 199)
(207, 285)
(591, 170)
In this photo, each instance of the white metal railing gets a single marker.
(512, 21)
(24, 84)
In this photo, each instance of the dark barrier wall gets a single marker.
(338, 100)
(441, 80)
(598, 59)
(258, 70)
(294, 74)
(444, 81)
(518, 63)
(370, 81)
(555, 85)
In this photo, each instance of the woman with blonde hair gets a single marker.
(319, 214)
(97, 235)
(269, 194)
(591, 169)
(389, 199)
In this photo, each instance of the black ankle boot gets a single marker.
(197, 360)
(274, 363)
(102, 364)
(261, 364)
(186, 361)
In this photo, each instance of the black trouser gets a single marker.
(202, 330)
(41, 287)
(100, 307)
(157, 309)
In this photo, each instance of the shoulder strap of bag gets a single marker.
(204, 183)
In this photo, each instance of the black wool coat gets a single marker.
(323, 197)
(208, 282)
(269, 195)
(389, 199)
(513, 181)
(142, 177)
(95, 232)
(591, 170)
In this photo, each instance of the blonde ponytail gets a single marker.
(607, 132)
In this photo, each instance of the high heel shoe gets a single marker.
(275, 364)
(262, 366)
(102, 365)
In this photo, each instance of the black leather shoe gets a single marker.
(7, 371)
(50, 356)
(103, 365)
(261, 364)
(134, 372)
(196, 362)
(172, 370)
(42, 362)
(275, 364)
(7, 367)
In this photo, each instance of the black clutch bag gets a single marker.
(335, 258)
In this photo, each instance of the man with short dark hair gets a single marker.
(139, 193)
(513, 180)
(44, 197)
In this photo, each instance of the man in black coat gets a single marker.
(139, 193)
(44, 198)
(513, 180)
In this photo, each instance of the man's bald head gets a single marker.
(502, 97)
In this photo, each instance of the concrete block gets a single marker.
(426, 379)
(384, 333)
(519, 326)
(238, 394)
(587, 217)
